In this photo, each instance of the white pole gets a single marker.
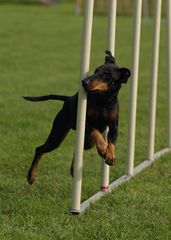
(169, 67)
(134, 86)
(111, 28)
(153, 93)
(146, 8)
(110, 46)
(82, 103)
(105, 169)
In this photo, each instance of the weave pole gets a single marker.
(111, 30)
(82, 104)
(169, 68)
(132, 171)
(154, 78)
(134, 86)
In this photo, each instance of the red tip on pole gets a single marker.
(104, 188)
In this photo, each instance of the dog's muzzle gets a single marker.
(86, 82)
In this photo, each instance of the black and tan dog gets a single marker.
(102, 110)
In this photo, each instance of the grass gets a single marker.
(37, 43)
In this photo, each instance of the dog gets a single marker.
(102, 111)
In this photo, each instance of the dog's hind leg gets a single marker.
(60, 129)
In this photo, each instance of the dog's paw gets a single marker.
(110, 157)
(110, 161)
(30, 178)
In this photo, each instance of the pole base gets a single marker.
(74, 212)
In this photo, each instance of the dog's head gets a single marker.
(107, 77)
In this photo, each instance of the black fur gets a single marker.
(102, 110)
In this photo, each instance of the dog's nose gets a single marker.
(85, 82)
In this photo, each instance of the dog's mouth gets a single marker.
(94, 85)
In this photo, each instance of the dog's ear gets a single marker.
(109, 58)
(125, 73)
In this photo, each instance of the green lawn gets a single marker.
(40, 54)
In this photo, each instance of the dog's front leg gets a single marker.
(110, 154)
(99, 141)
(112, 137)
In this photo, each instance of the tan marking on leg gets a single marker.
(32, 172)
(110, 154)
(101, 145)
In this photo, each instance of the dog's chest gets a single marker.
(100, 115)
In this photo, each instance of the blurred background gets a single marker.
(124, 7)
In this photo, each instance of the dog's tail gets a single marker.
(45, 98)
